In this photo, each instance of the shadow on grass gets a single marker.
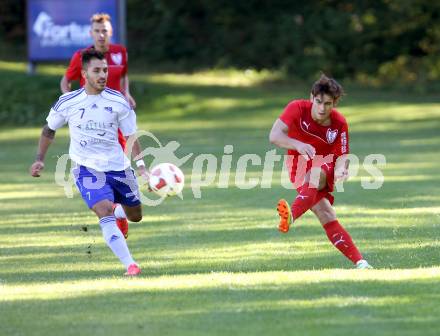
(183, 251)
(327, 307)
(168, 101)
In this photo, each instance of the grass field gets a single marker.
(217, 265)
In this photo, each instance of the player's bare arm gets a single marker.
(46, 138)
(65, 85)
(278, 136)
(125, 85)
(135, 151)
(341, 168)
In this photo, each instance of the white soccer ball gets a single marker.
(166, 179)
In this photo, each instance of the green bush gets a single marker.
(342, 38)
(25, 99)
(346, 39)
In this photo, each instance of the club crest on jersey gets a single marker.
(331, 135)
(116, 58)
(109, 109)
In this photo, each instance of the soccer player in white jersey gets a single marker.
(103, 173)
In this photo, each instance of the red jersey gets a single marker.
(116, 57)
(332, 139)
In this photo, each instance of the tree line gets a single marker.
(376, 41)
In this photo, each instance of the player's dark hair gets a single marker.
(89, 54)
(328, 86)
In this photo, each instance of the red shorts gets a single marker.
(299, 167)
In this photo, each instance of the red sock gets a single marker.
(304, 201)
(342, 241)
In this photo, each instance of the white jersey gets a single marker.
(93, 125)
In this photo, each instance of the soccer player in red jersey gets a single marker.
(116, 56)
(315, 135)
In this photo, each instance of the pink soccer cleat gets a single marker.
(133, 270)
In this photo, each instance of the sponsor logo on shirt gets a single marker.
(93, 125)
(343, 142)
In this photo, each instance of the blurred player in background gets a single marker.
(316, 137)
(101, 31)
(103, 173)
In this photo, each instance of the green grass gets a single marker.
(217, 265)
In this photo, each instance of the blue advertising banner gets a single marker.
(57, 28)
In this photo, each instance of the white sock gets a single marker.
(119, 211)
(114, 239)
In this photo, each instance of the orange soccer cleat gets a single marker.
(133, 270)
(122, 224)
(285, 214)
